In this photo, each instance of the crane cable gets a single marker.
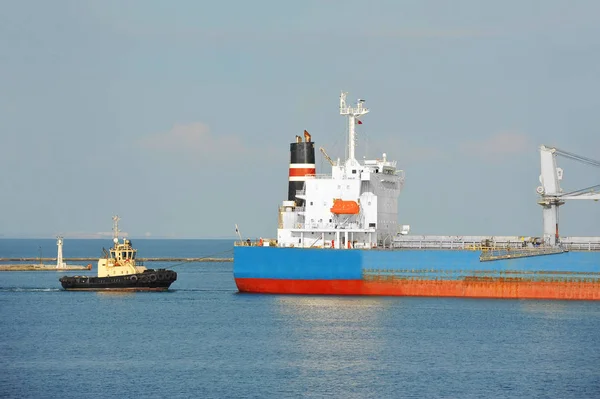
(588, 190)
(582, 159)
(576, 157)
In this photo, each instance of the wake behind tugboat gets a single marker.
(118, 271)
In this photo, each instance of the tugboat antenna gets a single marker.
(116, 228)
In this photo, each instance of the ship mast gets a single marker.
(116, 228)
(352, 113)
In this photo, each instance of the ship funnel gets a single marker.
(302, 167)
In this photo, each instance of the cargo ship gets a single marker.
(118, 270)
(338, 234)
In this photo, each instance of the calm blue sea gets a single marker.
(204, 340)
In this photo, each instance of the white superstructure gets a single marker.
(356, 206)
(120, 259)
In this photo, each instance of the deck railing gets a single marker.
(478, 245)
(453, 244)
(258, 242)
(582, 246)
(511, 253)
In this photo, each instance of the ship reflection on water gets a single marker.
(559, 310)
(333, 334)
(116, 293)
(549, 308)
(332, 308)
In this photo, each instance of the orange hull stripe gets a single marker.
(439, 288)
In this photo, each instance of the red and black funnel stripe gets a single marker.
(302, 167)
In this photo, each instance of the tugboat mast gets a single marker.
(116, 228)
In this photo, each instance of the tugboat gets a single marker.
(118, 270)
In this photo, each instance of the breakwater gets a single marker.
(23, 267)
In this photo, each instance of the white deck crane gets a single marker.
(327, 157)
(552, 196)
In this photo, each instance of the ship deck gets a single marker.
(478, 243)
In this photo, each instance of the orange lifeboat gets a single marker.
(341, 207)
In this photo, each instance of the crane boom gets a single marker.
(326, 156)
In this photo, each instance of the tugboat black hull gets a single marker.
(149, 280)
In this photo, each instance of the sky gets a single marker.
(177, 116)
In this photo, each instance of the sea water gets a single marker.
(202, 339)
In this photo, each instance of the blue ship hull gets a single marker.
(568, 275)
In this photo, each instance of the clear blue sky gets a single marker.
(178, 115)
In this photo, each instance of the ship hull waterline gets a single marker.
(463, 289)
(147, 281)
(129, 289)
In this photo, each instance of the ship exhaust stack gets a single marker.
(302, 166)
